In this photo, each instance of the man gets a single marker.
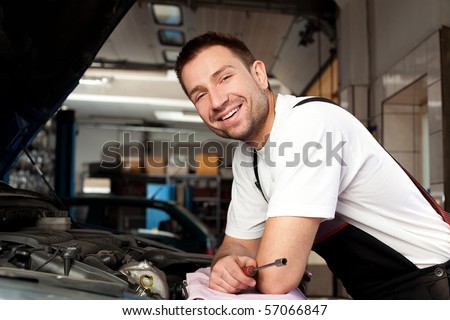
(322, 183)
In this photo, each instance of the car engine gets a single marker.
(40, 243)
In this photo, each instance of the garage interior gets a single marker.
(128, 128)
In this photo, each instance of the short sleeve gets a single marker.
(247, 211)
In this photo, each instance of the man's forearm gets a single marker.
(232, 247)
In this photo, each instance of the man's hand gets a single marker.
(227, 275)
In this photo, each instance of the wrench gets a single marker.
(250, 271)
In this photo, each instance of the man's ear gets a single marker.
(259, 74)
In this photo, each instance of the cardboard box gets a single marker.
(208, 164)
(155, 164)
(131, 165)
(97, 185)
(178, 165)
(173, 170)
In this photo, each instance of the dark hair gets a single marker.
(196, 45)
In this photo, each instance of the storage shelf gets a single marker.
(213, 203)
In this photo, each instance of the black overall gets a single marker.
(368, 268)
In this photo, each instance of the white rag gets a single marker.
(198, 289)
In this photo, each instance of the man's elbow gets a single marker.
(276, 286)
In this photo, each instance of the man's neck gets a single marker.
(261, 138)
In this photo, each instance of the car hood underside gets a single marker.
(45, 47)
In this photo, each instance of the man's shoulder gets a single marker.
(310, 111)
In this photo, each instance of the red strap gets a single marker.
(444, 214)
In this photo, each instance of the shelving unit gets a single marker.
(209, 199)
(24, 175)
(206, 197)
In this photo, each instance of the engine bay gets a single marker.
(37, 239)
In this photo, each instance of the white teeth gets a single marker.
(230, 113)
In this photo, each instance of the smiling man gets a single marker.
(361, 212)
(232, 100)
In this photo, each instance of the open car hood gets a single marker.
(45, 47)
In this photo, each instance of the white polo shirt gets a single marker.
(320, 161)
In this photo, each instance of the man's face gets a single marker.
(228, 97)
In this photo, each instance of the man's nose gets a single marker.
(218, 98)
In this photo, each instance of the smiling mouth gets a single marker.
(230, 114)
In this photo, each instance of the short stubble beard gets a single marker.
(254, 123)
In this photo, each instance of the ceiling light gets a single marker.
(94, 81)
(171, 37)
(165, 14)
(177, 116)
(171, 55)
(157, 102)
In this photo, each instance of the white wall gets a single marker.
(353, 43)
(373, 35)
(402, 39)
(396, 27)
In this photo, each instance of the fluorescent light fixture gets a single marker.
(94, 81)
(122, 74)
(179, 103)
(171, 55)
(171, 37)
(178, 116)
(166, 14)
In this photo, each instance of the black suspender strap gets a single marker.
(255, 168)
(315, 99)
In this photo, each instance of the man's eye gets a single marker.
(199, 96)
